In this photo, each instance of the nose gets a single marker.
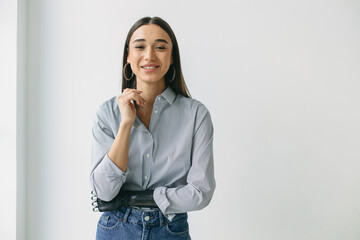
(149, 54)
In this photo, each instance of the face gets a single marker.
(149, 55)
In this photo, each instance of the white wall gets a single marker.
(22, 119)
(8, 119)
(281, 79)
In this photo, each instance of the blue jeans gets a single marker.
(131, 223)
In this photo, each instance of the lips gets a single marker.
(149, 66)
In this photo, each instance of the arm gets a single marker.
(109, 154)
(106, 178)
(200, 180)
(119, 151)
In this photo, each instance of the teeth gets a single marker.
(149, 67)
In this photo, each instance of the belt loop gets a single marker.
(161, 218)
(127, 213)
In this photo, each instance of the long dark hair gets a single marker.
(178, 83)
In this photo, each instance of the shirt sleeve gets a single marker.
(200, 180)
(106, 178)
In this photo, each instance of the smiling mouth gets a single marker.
(150, 67)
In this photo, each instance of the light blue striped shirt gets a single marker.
(174, 157)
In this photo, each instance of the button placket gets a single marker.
(156, 106)
(147, 155)
(145, 176)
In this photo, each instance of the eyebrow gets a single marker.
(143, 40)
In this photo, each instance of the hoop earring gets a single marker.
(124, 73)
(174, 74)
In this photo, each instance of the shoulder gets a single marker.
(198, 113)
(109, 107)
(191, 104)
(109, 103)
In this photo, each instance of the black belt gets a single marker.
(125, 199)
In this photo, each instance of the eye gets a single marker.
(161, 47)
(139, 47)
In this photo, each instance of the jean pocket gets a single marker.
(178, 225)
(110, 220)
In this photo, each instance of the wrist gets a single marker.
(126, 124)
(124, 128)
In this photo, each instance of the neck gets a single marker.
(150, 91)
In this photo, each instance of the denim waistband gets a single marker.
(149, 217)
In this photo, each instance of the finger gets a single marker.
(139, 100)
(132, 95)
(132, 89)
(136, 97)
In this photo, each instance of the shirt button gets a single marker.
(145, 177)
(148, 155)
(147, 218)
(156, 111)
(159, 98)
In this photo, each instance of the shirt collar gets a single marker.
(169, 95)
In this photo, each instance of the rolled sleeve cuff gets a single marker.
(109, 169)
(162, 201)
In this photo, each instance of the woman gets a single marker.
(152, 136)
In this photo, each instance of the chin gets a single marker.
(149, 79)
